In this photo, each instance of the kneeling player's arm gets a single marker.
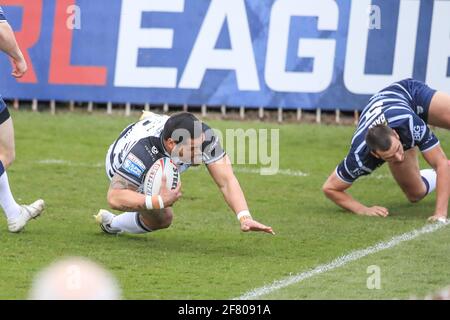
(438, 160)
(334, 188)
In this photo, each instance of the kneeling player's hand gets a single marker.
(438, 218)
(253, 225)
(169, 196)
(375, 211)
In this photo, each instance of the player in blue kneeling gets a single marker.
(392, 128)
(17, 215)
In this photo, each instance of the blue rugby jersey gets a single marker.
(403, 106)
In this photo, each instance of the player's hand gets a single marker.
(169, 196)
(19, 67)
(438, 218)
(375, 211)
(253, 225)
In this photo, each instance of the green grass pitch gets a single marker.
(203, 255)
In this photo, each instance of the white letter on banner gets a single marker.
(239, 58)
(322, 50)
(355, 79)
(132, 37)
(438, 57)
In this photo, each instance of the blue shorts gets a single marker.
(4, 113)
(2, 104)
(418, 94)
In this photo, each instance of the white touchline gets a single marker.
(285, 172)
(339, 262)
(69, 163)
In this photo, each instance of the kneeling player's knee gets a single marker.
(326, 190)
(415, 197)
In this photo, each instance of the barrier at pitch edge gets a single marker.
(293, 54)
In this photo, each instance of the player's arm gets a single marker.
(123, 196)
(438, 160)
(8, 45)
(335, 190)
(222, 173)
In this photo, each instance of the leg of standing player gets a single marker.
(7, 154)
(17, 216)
(415, 183)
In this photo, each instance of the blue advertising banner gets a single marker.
(286, 53)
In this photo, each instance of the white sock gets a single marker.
(9, 205)
(129, 222)
(429, 176)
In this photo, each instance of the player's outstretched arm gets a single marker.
(438, 160)
(8, 45)
(122, 196)
(334, 188)
(222, 173)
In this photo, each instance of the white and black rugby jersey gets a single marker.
(140, 145)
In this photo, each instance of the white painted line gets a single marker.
(339, 262)
(285, 172)
(69, 163)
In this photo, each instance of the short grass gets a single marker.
(203, 255)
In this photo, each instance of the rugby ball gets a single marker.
(153, 178)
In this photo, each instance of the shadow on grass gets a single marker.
(182, 243)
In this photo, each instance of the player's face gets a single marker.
(396, 153)
(191, 151)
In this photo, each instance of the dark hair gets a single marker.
(184, 122)
(379, 137)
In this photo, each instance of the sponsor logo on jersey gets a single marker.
(153, 152)
(358, 172)
(133, 166)
(420, 110)
(417, 132)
